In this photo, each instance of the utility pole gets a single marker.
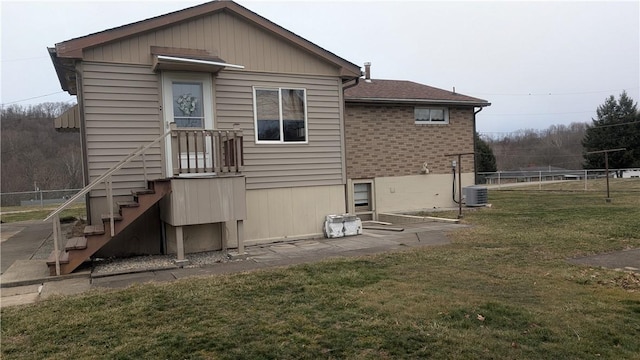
(460, 180)
(606, 165)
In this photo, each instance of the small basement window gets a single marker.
(432, 115)
(361, 195)
(363, 200)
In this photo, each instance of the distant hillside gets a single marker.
(558, 146)
(33, 154)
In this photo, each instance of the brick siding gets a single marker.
(385, 141)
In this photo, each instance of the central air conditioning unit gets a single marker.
(476, 195)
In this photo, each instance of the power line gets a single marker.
(611, 125)
(533, 114)
(31, 98)
(25, 59)
(555, 93)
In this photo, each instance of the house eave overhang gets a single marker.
(388, 101)
(74, 48)
(65, 69)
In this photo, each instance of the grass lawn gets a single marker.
(22, 213)
(501, 290)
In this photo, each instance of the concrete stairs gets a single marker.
(79, 249)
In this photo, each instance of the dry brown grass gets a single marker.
(502, 290)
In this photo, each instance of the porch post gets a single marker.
(240, 232)
(224, 241)
(180, 243)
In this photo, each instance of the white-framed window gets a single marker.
(431, 115)
(280, 115)
(362, 198)
(362, 195)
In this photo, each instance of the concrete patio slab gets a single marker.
(21, 299)
(25, 272)
(626, 260)
(65, 287)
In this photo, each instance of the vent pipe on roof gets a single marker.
(367, 72)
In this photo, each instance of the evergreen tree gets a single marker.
(617, 126)
(485, 160)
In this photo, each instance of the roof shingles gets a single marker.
(402, 91)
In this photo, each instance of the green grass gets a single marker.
(17, 213)
(501, 290)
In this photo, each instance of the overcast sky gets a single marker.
(538, 63)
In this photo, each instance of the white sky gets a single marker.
(538, 63)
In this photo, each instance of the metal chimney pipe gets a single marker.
(367, 71)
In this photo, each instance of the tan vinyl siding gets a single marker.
(227, 36)
(284, 165)
(121, 104)
(69, 120)
(290, 213)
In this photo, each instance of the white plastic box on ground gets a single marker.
(336, 226)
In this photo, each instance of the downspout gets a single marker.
(351, 85)
(83, 138)
(475, 146)
(344, 142)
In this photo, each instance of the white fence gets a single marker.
(541, 175)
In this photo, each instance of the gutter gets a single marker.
(351, 85)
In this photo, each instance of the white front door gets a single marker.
(187, 102)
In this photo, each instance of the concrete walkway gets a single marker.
(625, 260)
(21, 240)
(26, 279)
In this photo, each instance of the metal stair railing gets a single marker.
(106, 178)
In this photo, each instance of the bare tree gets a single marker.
(32, 152)
(556, 146)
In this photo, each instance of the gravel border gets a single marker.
(113, 266)
(156, 262)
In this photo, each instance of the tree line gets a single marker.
(34, 154)
(616, 126)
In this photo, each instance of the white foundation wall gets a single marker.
(290, 213)
(417, 192)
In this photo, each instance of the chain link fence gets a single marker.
(542, 175)
(38, 198)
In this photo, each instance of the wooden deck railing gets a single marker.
(198, 151)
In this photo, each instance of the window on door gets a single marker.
(188, 104)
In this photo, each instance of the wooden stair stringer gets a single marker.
(96, 238)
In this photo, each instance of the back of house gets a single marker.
(213, 127)
(216, 66)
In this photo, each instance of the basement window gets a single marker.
(363, 203)
(431, 115)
